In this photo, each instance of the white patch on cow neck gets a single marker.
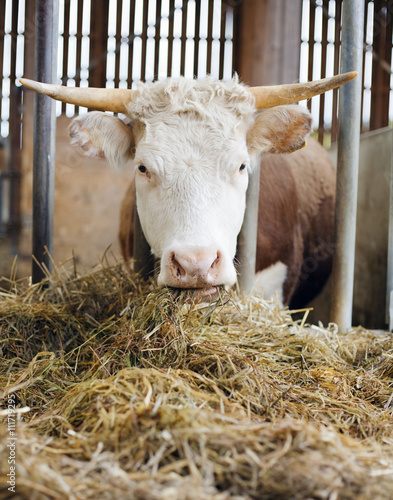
(269, 283)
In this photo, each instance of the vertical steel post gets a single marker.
(348, 165)
(14, 168)
(247, 240)
(14, 163)
(143, 258)
(45, 70)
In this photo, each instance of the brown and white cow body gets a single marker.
(193, 145)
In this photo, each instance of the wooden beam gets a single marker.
(98, 43)
(382, 57)
(269, 41)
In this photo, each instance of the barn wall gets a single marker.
(88, 194)
(372, 229)
(371, 233)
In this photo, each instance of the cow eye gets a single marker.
(142, 169)
(242, 167)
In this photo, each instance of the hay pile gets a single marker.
(124, 391)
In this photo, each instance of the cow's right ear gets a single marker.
(282, 129)
(102, 135)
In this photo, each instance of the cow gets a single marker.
(295, 224)
(193, 145)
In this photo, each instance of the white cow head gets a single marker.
(193, 144)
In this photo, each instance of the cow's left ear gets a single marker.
(102, 135)
(280, 130)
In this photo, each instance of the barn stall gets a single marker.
(122, 390)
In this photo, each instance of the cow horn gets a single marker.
(277, 95)
(116, 99)
(100, 99)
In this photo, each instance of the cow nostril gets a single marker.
(179, 270)
(216, 261)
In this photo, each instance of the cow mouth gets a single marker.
(207, 294)
(210, 294)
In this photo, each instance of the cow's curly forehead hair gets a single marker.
(203, 99)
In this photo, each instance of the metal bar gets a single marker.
(145, 27)
(47, 15)
(197, 37)
(311, 43)
(183, 37)
(2, 23)
(237, 36)
(143, 258)
(66, 41)
(78, 49)
(325, 19)
(233, 10)
(347, 169)
(365, 24)
(14, 163)
(337, 43)
(170, 37)
(222, 40)
(14, 166)
(209, 38)
(157, 39)
(131, 38)
(14, 35)
(247, 240)
(118, 43)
